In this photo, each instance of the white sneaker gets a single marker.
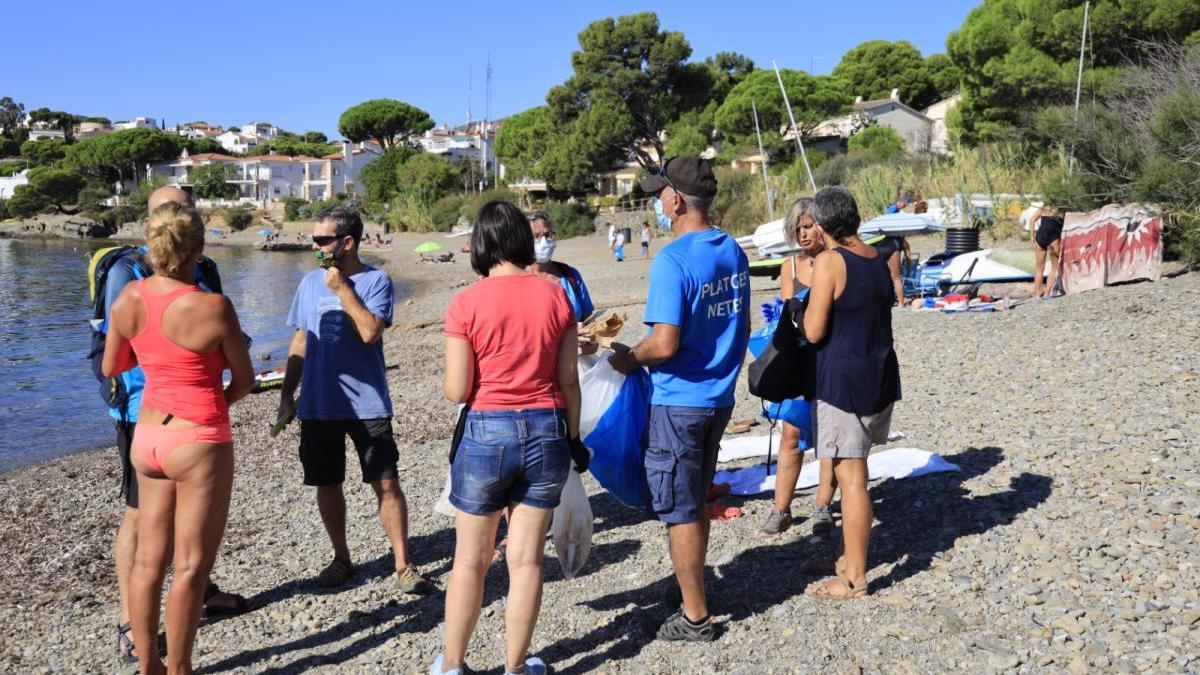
(533, 666)
(436, 668)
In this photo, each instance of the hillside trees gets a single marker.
(628, 84)
(874, 68)
(124, 154)
(1017, 56)
(522, 141)
(383, 120)
(813, 99)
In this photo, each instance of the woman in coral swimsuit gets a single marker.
(182, 446)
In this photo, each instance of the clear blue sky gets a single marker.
(300, 64)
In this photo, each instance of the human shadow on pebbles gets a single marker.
(918, 519)
(420, 615)
(425, 550)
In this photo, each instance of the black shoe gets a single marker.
(678, 628)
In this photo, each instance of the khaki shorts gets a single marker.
(844, 435)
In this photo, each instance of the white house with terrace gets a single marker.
(267, 178)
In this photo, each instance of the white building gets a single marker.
(462, 143)
(136, 123)
(235, 141)
(260, 130)
(9, 183)
(831, 135)
(939, 135)
(36, 134)
(264, 178)
(196, 130)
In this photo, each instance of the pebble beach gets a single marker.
(1067, 542)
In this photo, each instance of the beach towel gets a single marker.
(744, 447)
(894, 463)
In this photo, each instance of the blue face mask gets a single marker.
(663, 221)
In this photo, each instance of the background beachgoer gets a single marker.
(182, 445)
(544, 245)
(514, 366)
(800, 230)
(1047, 243)
(698, 312)
(645, 240)
(849, 318)
(339, 314)
(893, 252)
(619, 246)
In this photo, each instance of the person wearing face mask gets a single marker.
(697, 311)
(336, 355)
(559, 272)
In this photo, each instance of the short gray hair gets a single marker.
(697, 203)
(836, 211)
(791, 222)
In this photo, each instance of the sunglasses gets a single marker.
(324, 239)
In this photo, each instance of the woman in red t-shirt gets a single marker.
(511, 347)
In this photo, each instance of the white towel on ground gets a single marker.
(741, 447)
(893, 463)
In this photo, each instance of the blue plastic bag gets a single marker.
(616, 441)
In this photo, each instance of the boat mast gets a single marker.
(795, 129)
(762, 153)
(1078, 85)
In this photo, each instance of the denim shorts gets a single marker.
(681, 458)
(510, 457)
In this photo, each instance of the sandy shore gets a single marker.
(1068, 541)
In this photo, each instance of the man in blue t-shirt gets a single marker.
(339, 314)
(699, 322)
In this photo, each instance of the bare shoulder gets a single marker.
(828, 260)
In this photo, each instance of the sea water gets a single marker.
(50, 403)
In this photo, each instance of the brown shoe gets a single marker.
(336, 573)
(410, 581)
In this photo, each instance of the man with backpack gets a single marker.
(110, 270)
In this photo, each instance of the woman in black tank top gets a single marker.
(858, 378)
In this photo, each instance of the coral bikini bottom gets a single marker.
(155, 441)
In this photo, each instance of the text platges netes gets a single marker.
(724, 286)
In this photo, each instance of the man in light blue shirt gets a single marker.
(339, 313)
(698, 315)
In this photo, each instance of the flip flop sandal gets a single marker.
(240, 604)
(125, 648)
(849, 591)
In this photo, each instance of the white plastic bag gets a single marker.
(572, 526)
(598, 385)
(443, 505)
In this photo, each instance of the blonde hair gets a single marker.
(791, 222)
(174, 237)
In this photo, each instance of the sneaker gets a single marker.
(678, 628)
(777, 523)
(822, 519)
(410, 581)
(533, 666)
(435, 668)
(336, 573)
